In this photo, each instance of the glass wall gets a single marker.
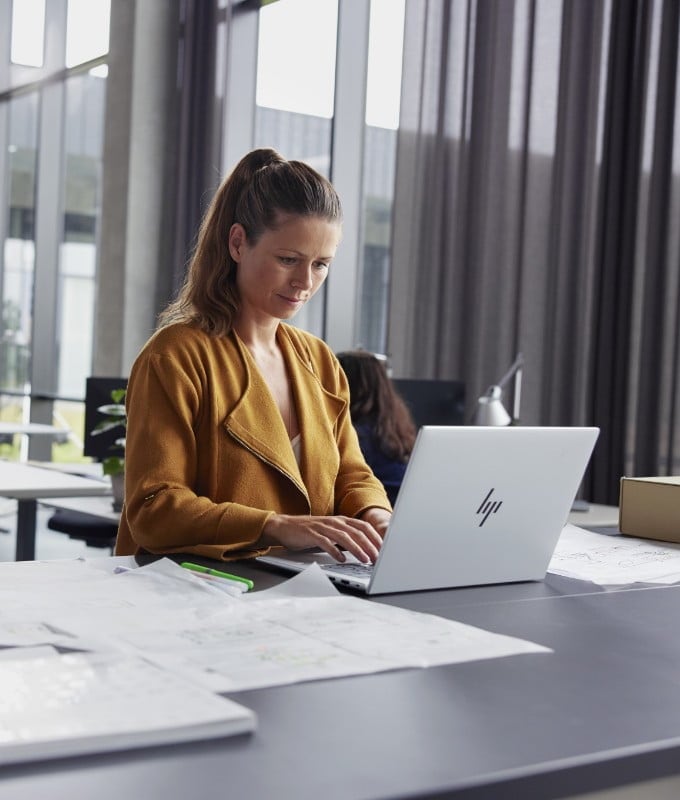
(52, 91)
(296, 79)
(383, 91)
(52, 97)
(81, 188)
(18, 258)
(295, 94)
(19, 251)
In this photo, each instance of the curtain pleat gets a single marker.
(613, 285)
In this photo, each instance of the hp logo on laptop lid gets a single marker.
(488, 507)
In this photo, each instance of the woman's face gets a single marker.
(285, 268)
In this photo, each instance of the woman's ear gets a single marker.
(237, 238)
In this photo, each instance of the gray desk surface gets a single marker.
(602, 710)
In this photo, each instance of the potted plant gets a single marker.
(114, 465)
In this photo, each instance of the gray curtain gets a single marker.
(198, 112)
(536, 210)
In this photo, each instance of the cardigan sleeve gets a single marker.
(163, 511)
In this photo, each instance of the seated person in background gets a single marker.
(239, 436)
(381, 418)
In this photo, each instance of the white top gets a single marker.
(296, 443)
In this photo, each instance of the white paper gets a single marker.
(81, 604)
(613, 561)
(303, 629)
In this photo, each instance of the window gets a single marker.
(301, 45)
(81, 187)
(383, 90)
(19, 244)
(28, 33)
(51, 118)
(87, 30)
(295, 93)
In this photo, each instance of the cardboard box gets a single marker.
(650, 508)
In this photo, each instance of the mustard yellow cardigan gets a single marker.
(208, 459)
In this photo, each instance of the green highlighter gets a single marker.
(217, 574)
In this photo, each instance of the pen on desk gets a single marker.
(217, 573)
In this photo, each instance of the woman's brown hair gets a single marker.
(374, 399)
(261, 189)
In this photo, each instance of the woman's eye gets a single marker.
(320, 265)
(287, 260)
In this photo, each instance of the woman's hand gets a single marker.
(379, 519)
(358, 536)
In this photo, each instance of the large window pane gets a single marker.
(296, 70)
(28, 32)
(19, 247)
(77, 258)
(295, 93)
(383, 81)
(383, 89)
(87, 30)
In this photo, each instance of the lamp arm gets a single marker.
(517, 364)
(516, 396)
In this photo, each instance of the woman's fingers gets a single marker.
(333, 533)
(356, 536)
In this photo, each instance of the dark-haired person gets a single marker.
(382, 420)
(239, 435)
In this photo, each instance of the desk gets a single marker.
(97, 505)
(602, 711)
(27, 484)
(597, 516)
(29, 429)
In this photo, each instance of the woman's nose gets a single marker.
(303, 277)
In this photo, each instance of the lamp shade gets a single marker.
(490, 409)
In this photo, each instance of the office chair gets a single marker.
(93, 530)
(89, 528)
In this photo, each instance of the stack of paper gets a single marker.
(74, 704)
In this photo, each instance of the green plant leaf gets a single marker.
(113, 465)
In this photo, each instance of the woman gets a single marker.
(239, 435)
(382, 420)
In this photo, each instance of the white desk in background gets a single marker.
(28, 429)
(31, 429)
(596, 516)
(97, 505)
(28, 484)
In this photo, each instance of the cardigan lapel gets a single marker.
(318, 410)
(256, 422)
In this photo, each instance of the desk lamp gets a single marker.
(490, 408)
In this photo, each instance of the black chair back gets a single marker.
(433, 402)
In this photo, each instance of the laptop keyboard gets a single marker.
(358, 570)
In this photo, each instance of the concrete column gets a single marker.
(139, 148)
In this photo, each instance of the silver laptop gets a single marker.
(477, 506)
